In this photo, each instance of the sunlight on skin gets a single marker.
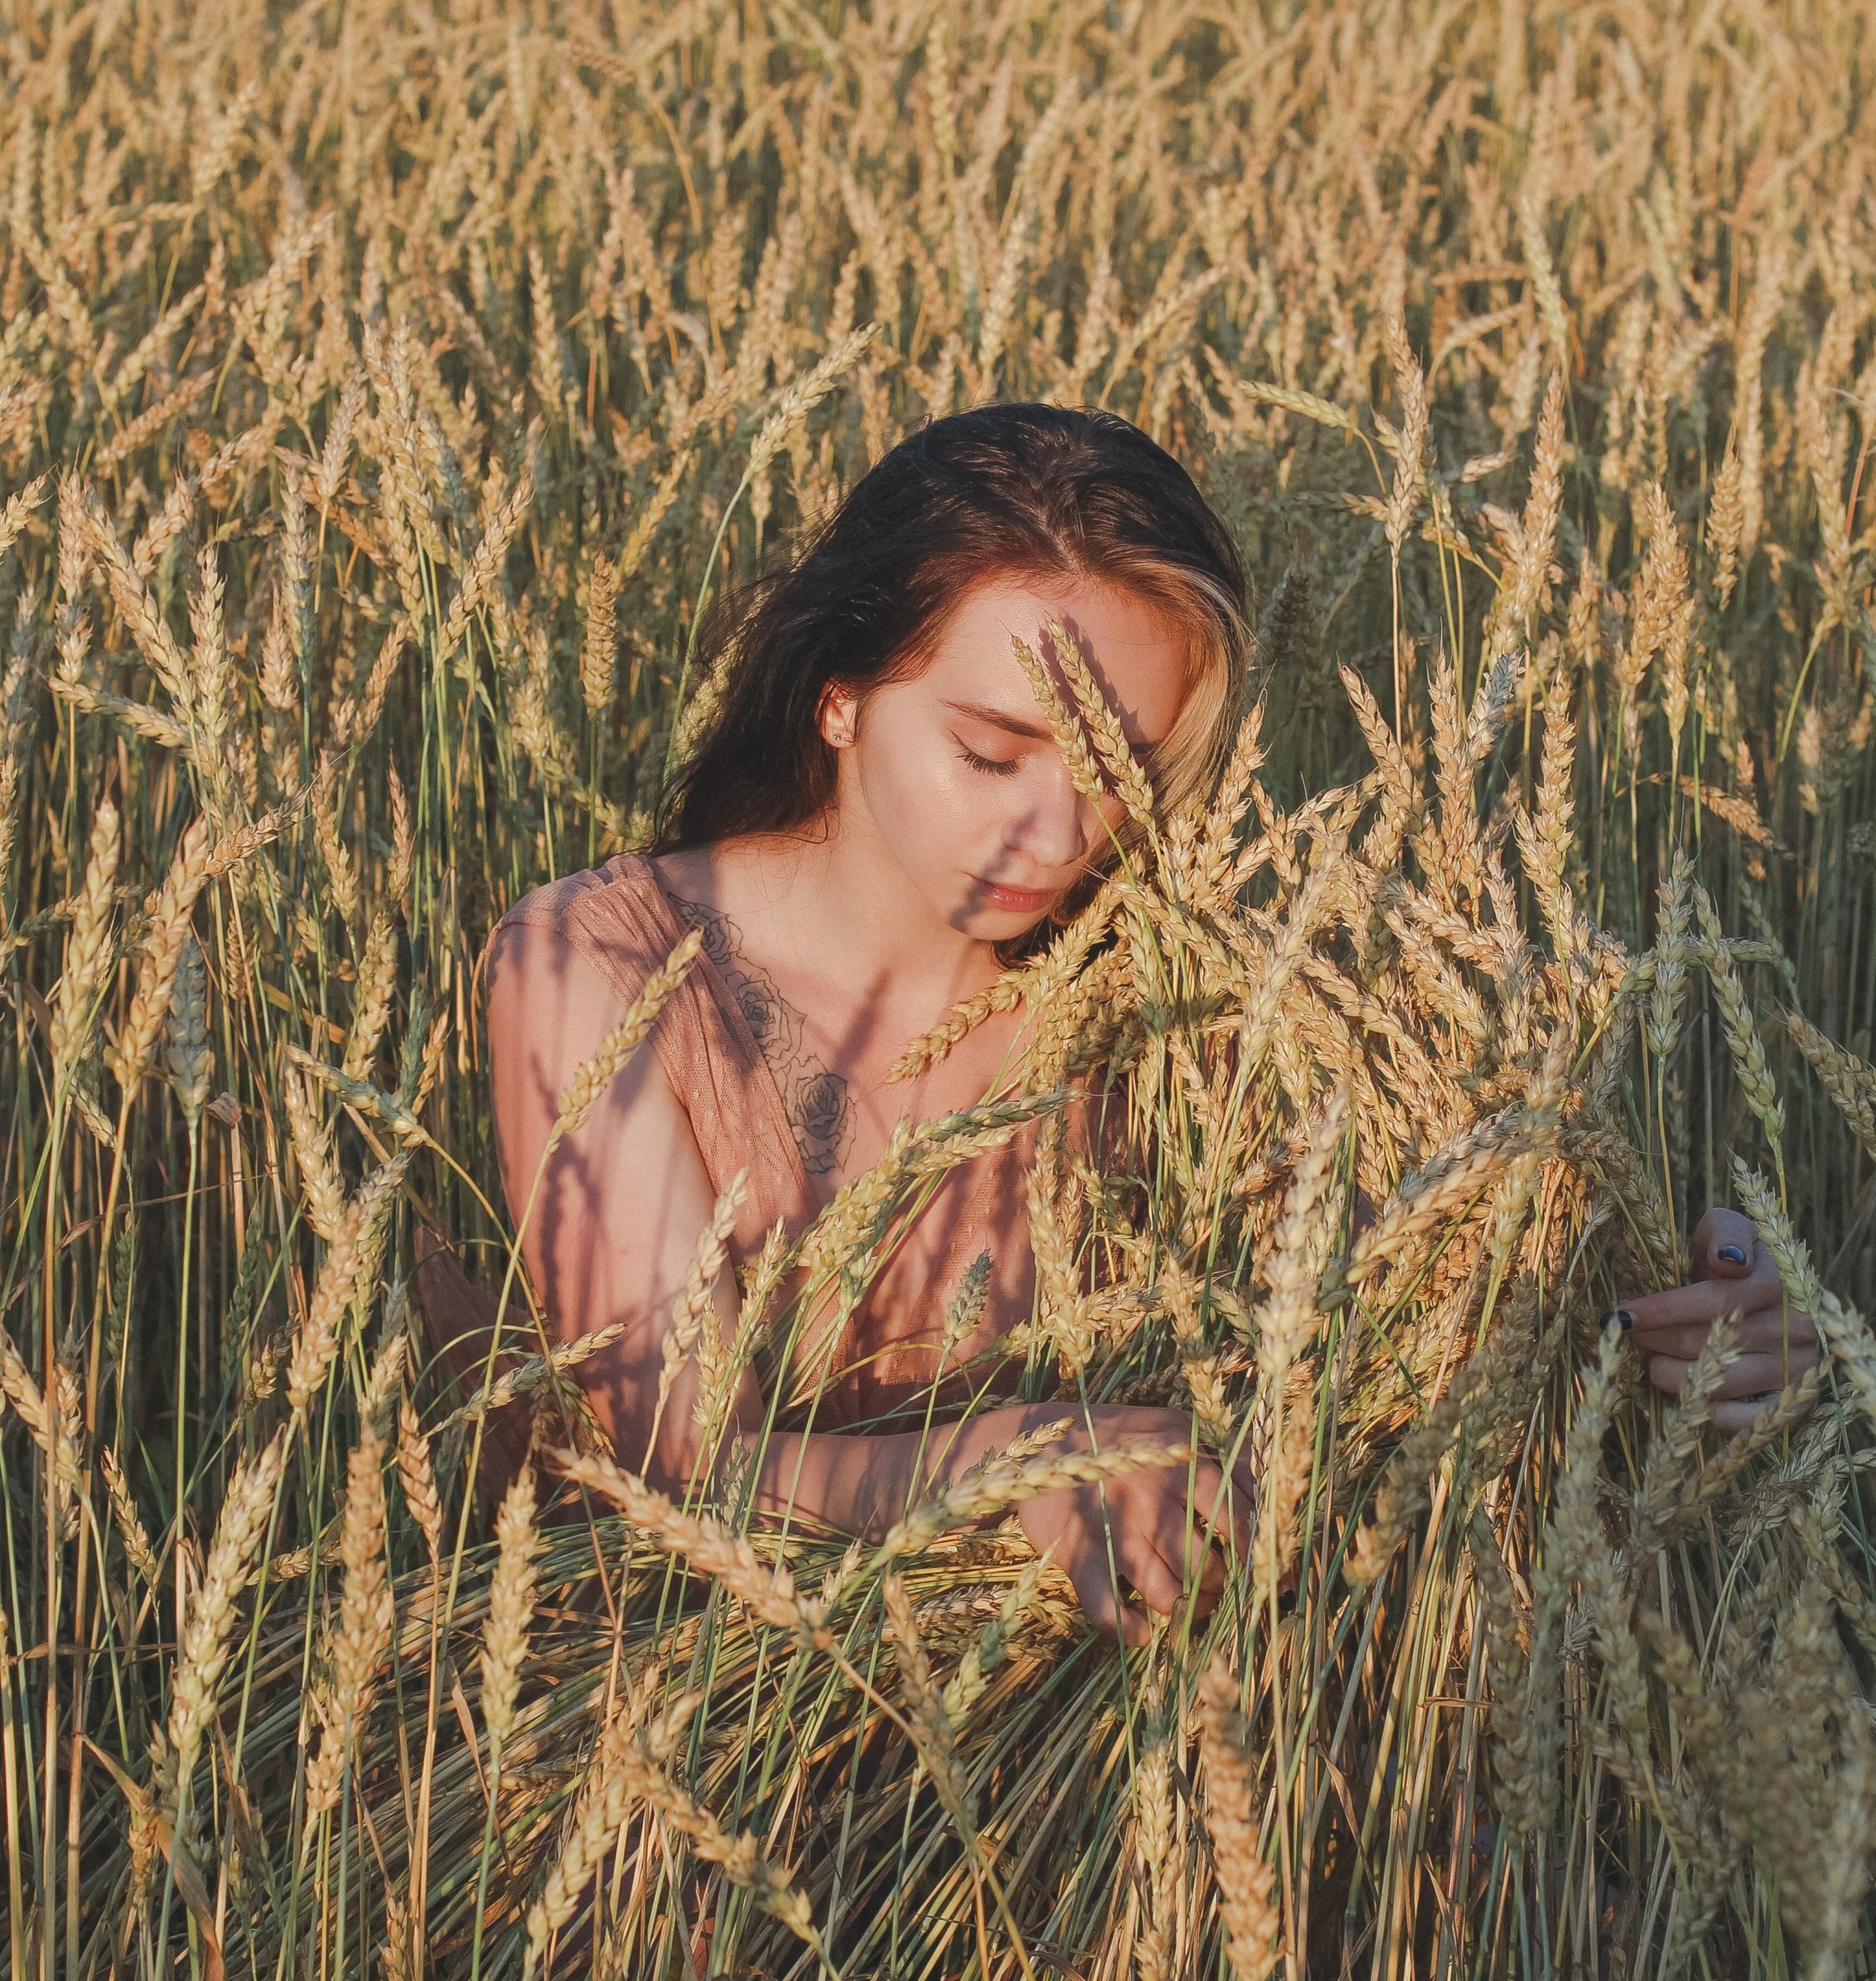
(955, 824)
(952, 784)
(872, 924)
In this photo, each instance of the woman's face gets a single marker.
(955, 774)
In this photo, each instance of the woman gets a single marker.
(875, 822)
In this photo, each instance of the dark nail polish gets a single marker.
(1621, 1317)
(1733, 1254)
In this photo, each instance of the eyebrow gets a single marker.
(1017, 725)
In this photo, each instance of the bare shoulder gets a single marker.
(603, 1176)
(582, 936)
(544, 992)
(551, 1003)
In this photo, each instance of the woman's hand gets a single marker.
(1733, 1273)
(1160, 1534)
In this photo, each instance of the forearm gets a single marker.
(853, 1481)
(858, 1482)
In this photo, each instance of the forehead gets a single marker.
(1135, 649)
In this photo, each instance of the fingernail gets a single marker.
(1732, 1254)
(1621, 1318)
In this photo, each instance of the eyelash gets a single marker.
(993, 765)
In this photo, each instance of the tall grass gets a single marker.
(382, 394)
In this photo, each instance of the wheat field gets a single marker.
(385, 391)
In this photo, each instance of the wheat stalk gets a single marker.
(203, 1648)
(511, 1605)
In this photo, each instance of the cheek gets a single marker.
(924, 797)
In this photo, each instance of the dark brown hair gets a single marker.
(1026, 490)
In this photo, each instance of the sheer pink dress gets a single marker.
(621, 918)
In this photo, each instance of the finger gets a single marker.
(1770, 1332)
(1680, 1344)
(1126, 1547)
(1245, 1494)
(1723, 1245)
(1123, 1542)
(1215, 1541)
(1752, 1373)
(1766, 1332)
(1185, 1540)
(1667, 1372)
(1226, 1502)
(1100, 1601)
(1223, 1552)
(1740, 1415)
(1136, 1627)
(1703, 1301)
(1142, 1561)
(1213, 1574)
(1747, 1375)
(1195, 1554)
(1683, 1343)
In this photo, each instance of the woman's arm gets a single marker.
(615, 1223)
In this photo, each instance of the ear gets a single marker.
(838, 715)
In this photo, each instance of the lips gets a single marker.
(1016, 901)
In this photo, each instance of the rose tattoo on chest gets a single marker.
(819, 1108)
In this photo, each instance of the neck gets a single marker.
(845, 897)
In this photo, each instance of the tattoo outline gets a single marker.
(815, 1099)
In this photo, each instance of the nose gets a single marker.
(1058, 828)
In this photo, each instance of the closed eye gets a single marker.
(992, 766)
